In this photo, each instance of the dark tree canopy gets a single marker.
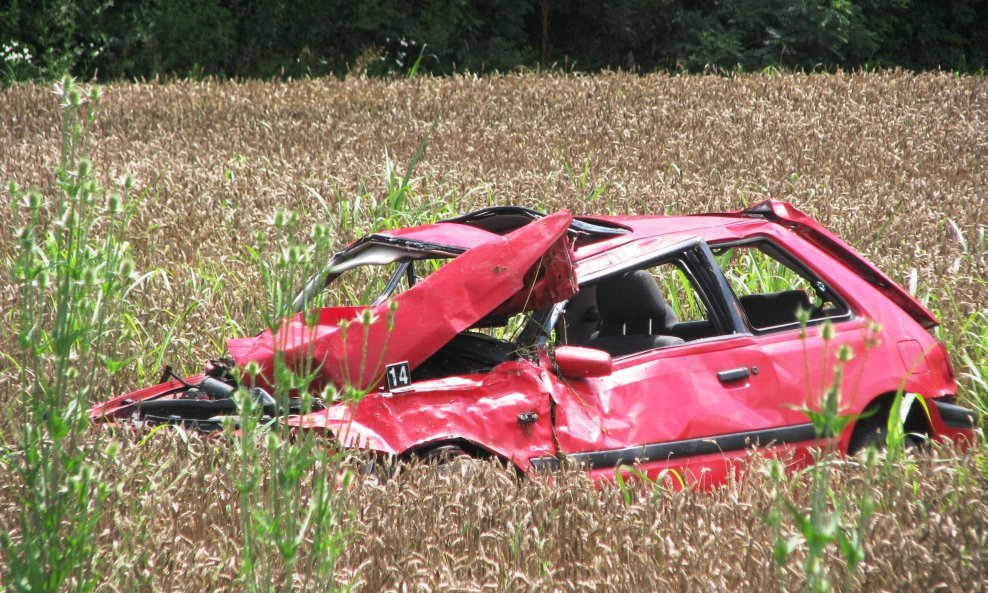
(110, 39)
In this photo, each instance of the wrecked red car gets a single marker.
(670, 343)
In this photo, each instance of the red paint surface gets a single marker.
(657, 396)
(472, 285)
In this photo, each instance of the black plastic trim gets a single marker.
(956, 416)
(410, 244)
(732, 375)
(496, 211)
(680, 449)
(730, 312)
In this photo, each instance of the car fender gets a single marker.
(505, 412)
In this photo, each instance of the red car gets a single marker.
(670, 343)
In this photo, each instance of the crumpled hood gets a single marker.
(418, 322)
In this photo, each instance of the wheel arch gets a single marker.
(470, 447)
(875, 414)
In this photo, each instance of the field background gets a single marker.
(895, 163)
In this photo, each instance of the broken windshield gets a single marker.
(372, 271)
(527, 270)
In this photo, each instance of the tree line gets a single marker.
(113, 39)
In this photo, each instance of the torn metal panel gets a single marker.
(121, 405)
(551, 280)
(482, 409)
(415, 324)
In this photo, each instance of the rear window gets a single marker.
(772, 287)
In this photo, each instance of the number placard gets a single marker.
(398, 375)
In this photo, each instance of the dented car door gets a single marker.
(681, 408)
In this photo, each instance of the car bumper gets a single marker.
(959, 424)
(955, 416)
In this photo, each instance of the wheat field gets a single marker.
(895, 163)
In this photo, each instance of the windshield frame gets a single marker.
(362, 253)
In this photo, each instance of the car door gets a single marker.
(771, 286)
(688, 407)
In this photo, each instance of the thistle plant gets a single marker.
(71, 270)
(290, 515)
(826, 523)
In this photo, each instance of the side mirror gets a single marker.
(576, 362)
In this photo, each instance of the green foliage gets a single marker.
(71, 271)
(292, 502)
(274, 38)
(627, 477)
(828, 521)
(289, 501)
(975, 358)
(457, 36)
(928, 35)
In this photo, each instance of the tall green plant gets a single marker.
(976, 360)
(402, 205)
(71, 270)
(826, 523)
(291, 525)
(290, 514)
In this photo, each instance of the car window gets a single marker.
(772, 287)
(373, 283)
(679, 293)
(635, 310)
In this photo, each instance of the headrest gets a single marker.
(632, 296)
(774, 308)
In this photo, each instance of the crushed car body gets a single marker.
(674, 344)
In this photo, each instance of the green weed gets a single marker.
(72, 271)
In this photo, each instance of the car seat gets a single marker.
(773, 309)
(634, 315)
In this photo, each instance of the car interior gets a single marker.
(630, 312)
(772, 287)
(627, 313)
(655, 306)
(774, 309)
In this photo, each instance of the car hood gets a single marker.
(527, 269)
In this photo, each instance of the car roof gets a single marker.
(593, 234)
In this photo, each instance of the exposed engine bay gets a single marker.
(209, 403)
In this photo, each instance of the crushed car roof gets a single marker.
(470, 230)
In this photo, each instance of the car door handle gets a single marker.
(733, 375)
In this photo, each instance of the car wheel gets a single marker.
(872, 433)
(450, 460)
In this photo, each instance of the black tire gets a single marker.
(872, 433)
(868, 436)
